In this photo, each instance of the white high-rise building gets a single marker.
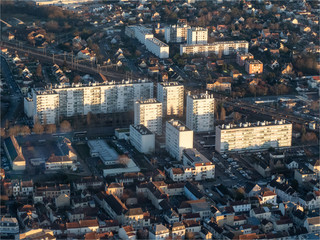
(197, 35)
(178, 138)
(171, 94)
(225, 48)
(149, 113)
(142, 138)
(145, 36)
(157, 47)
(176, 33)
(68, 101)
(46, 106)
(200, 112)
(253, 136)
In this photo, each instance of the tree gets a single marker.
(190, 235)
(38, 128)
(222, 114)
(51, 128)
(124, 159)
(236, 116)
(25, 130)
(89, 117)
(309, 137)
(39, 71)
(13, 131)
(239, 194)
(52, 26)
(76, 79)
(315, 105)
(2, 132)
(137, 53)
(65, 126)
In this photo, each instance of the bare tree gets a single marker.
(309, 137)
(76, 79)
(123, 159)
(89, 117)
(222, 114)
(51, 128)
(25, 130)
(236, 116)
(38, 128)
(2, 132)
(13, 131)
(39, 71)
(65, 126)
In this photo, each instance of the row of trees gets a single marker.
(16, 130)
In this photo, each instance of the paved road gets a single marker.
(15, 94)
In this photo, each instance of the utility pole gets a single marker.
(53, 57)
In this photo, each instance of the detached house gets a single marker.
(127, 233)
(158, 232)
(266, 196)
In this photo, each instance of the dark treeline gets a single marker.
(44, 12)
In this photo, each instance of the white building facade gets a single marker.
(149, 113)
(226, 48)
(197, 35)
(146, 37)
(178, 138)
(46, 106)
(171, 95)
(157, 47)
(255, 136)
(68, 101)
(142, 139)
(176, 33)
(201, 167)
(200, 112)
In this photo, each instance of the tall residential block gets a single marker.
(176, 33)
(171, 94)
(200, 112)
(225, 48)
(149, 113)
(145, 36)
(253, 136)
(178, 138)
(254, 66)
(242, 57)
(45, 106)
(197, 35)
(78, 99)
(142, 138)
(157, 47)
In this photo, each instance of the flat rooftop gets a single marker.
(216, 43)
(143, 130)
(170, 84)
(43, 91)
(157, 42)
(178, 125)
(201, 96)
(148, 101)
(105, 152)
(195, 156)
(256, 124)
(254, 61)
